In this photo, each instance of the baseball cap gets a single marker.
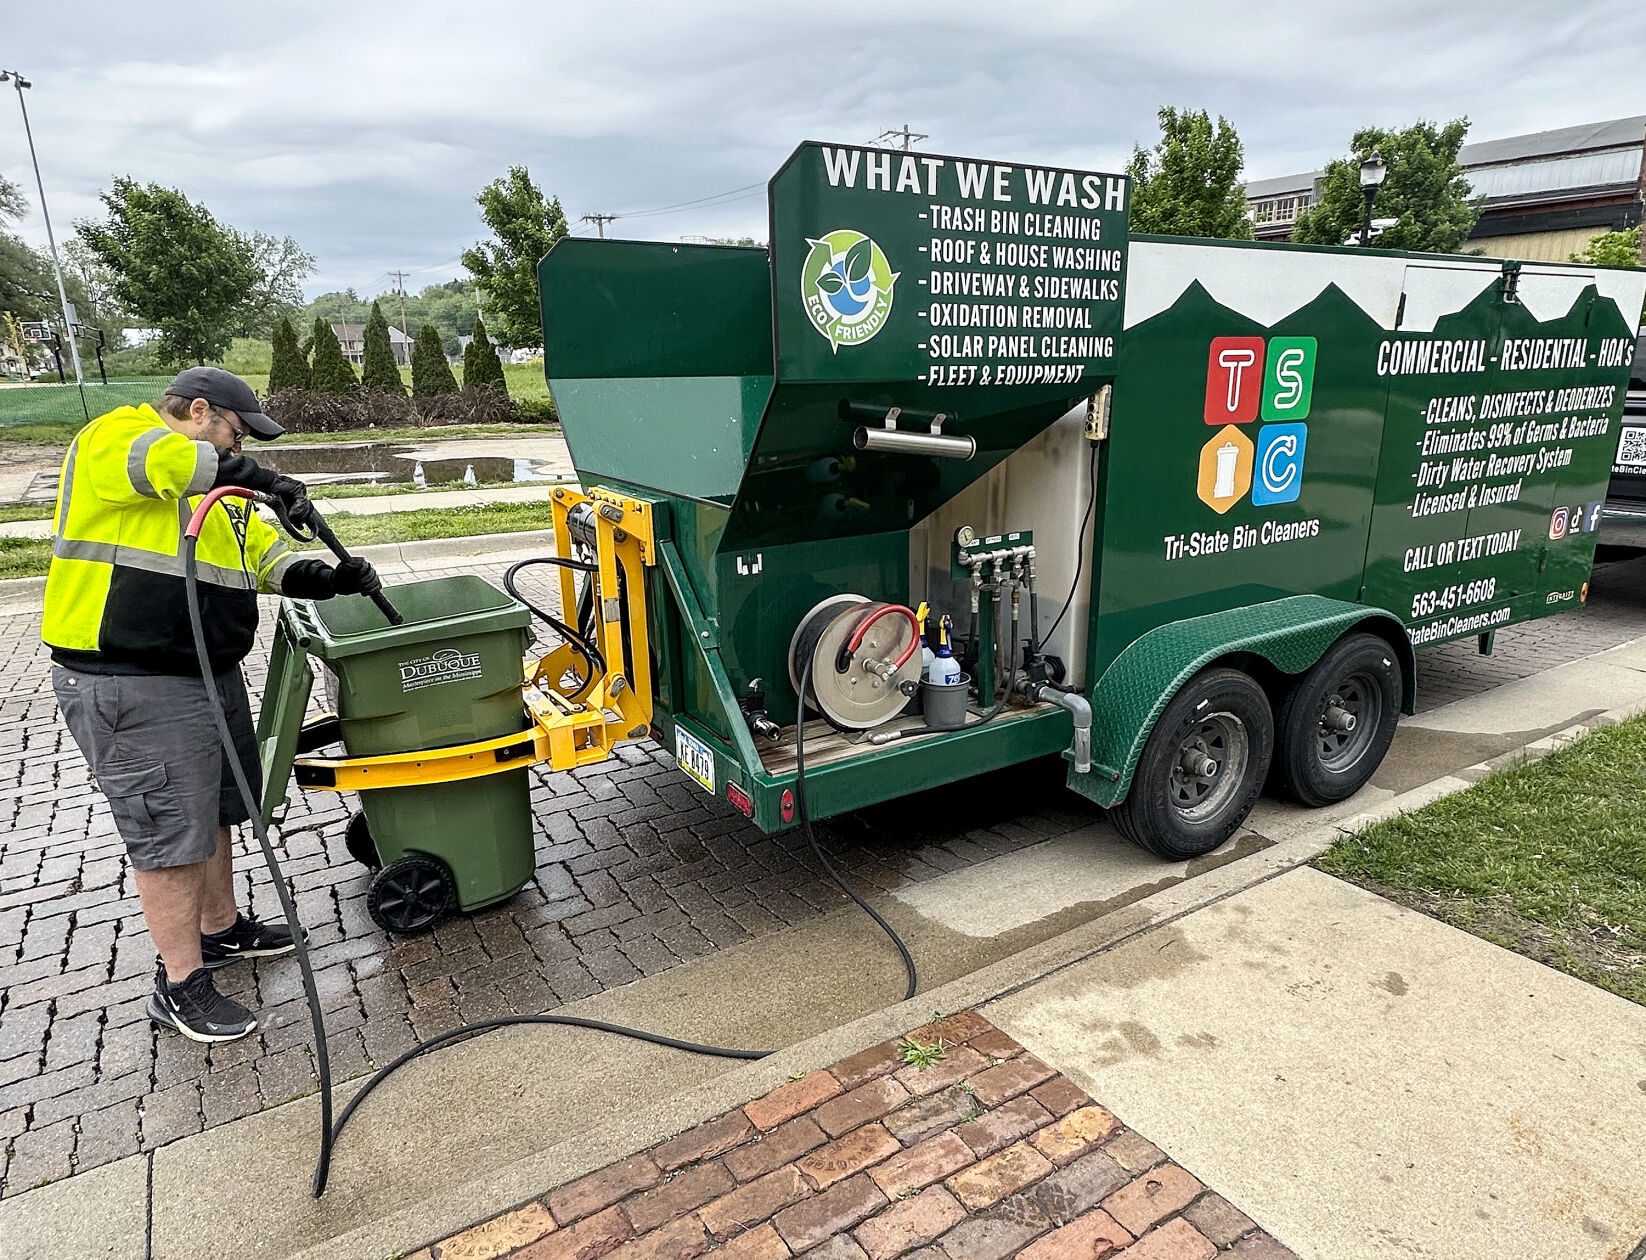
(225, 389)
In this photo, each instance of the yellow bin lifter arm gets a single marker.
(565, 733)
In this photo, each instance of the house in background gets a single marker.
(352, 337)
(1545, 194)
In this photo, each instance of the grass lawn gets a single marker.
(30, 557)
(24, 512)
(1548, 859)
(51, 414)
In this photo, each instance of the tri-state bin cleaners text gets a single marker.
(1216, 542)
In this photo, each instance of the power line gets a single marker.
(600, 221)
(405, 328)
(908, 137)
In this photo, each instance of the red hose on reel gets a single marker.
(875, 615)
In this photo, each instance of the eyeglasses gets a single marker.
(234, 425)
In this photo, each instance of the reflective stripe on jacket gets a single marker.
(115, 595)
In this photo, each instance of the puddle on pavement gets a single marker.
(400, 463)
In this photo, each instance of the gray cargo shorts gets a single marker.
(152, 746)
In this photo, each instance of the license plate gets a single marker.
(695, 758)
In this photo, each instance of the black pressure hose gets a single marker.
(1035, 636)
(253, 807)
(640, 1034)
(581, 643)
(330, 1132)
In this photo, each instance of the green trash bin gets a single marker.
(450, 675)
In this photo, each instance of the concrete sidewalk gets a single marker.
(1364, 1081)
(1298, 977)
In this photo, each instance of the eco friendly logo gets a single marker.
(846, 285)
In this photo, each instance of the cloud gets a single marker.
(365, 130)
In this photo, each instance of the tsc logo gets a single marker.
(1248, 378)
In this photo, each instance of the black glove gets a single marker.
(355, 576)
(292, 495)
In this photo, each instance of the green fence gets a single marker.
(54, 404)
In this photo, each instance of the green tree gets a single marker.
(28, 285)
(1425, 191)
(431, 374)
(1612, 249)
(526, 226)
(176, 268)
(1190, 185)
(331, 372)
(379, 370)
(481, 366)
(283, 265)
(289, 369)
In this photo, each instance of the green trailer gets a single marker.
(1190, 506)
(1252, 478)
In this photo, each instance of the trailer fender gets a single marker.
(1291, 634)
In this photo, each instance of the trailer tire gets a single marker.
(1358, 685)
(1221, 721)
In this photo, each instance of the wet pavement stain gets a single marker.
(1394, 983)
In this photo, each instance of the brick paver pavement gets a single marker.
(1007, 1159)
(637, 871)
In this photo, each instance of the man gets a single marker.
(127, 677)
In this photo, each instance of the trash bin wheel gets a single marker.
(1336, 724)
(411, 895)
(1202, 768)
(357, 839)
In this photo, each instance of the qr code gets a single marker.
(1631, 449)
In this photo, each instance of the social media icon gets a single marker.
(1557, 523)
(1279, 466)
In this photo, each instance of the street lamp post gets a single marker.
(1373, 171)
(15, 77)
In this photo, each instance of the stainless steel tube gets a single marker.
(902, 442)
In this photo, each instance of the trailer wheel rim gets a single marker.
(1210, 766)
(1347, 726)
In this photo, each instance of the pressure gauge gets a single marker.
(965, 536)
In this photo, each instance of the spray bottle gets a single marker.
(945, 669)
(926, 653)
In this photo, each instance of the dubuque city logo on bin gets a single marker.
(846, 285)
(446, 665)
(1247, 379)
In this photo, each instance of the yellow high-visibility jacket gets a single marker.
(115, 598)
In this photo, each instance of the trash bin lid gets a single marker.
(435, 609)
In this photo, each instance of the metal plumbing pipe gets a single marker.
(1080, 708)
(904, 442)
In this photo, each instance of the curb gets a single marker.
(515, 1185)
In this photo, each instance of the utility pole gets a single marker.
(600, 221)
(405, 331)
(909, 138)
(16, 78)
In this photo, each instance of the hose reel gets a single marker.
(863, 654)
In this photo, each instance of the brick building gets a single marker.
(1545, 194)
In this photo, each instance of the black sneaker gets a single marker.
(196, 1009)
(246, 938)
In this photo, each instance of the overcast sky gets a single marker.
(364, 130)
